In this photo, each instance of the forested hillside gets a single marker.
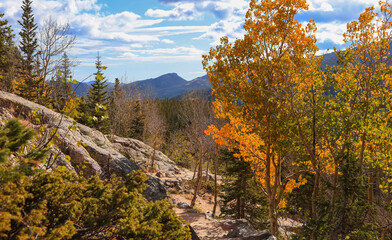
(292, 143)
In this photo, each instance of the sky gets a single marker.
(141, 39)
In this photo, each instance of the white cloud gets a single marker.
(172, 51)
(190, 9)
(347, 6)
(167, 41)
(184, 11)
(331, 31)
(10, 8)
(86, 62)
(224, 9)
(322, 6)
(165, 58)
(124, 26)
(85, 42)
(173, 30)
(231, 28)
(76, 6)
(121, 26)
(125, 21)
(80, 51)
(162, 55)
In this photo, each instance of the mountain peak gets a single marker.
(170, 75)
(163, 81)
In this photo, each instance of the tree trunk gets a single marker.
(153, 157)
(198, 181)
(317, 177)
(238, 212)
(315, 194)
(273, 219)
(271, 194)
(314, 198)
(335, 183)
(208, 165)
(194, 170)
(242, 197)
(215, 185)
(370, 188)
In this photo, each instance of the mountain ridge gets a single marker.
(165, 86)
(171, 85)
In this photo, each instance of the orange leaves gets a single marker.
(253, 79)
(254, 82)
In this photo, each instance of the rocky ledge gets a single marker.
(90, 151)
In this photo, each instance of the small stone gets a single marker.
(209, 216)
(183, 205)
(193, 211)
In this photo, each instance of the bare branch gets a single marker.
(54, 39)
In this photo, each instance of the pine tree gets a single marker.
(6, 37)
(82, 108)
(117, 91)
(62, 89)
(119, 111)
(98, 99)
(30, 85)
(241, 198)
(9, 55)
(137, 124)
(29, 42)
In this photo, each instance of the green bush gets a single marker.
(36, 204)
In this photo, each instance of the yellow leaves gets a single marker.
(71, 108)
(255, 82)
(99, 77)
(5, 222)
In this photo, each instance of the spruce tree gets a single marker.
(117, 91)
(6, 37)
(137, 124)
(30, 86)
(98, 99)
(9, 55)
(241, 198)
(82, 108)
(62, 89)
(29, 42)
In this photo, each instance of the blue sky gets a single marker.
(140, 39)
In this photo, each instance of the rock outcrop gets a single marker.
(90, 151)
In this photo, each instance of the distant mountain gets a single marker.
(168, 86)
(329, 59)
(171, 85)
(199, 83)
(81, 88)
(165, 86)
(203, 93)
